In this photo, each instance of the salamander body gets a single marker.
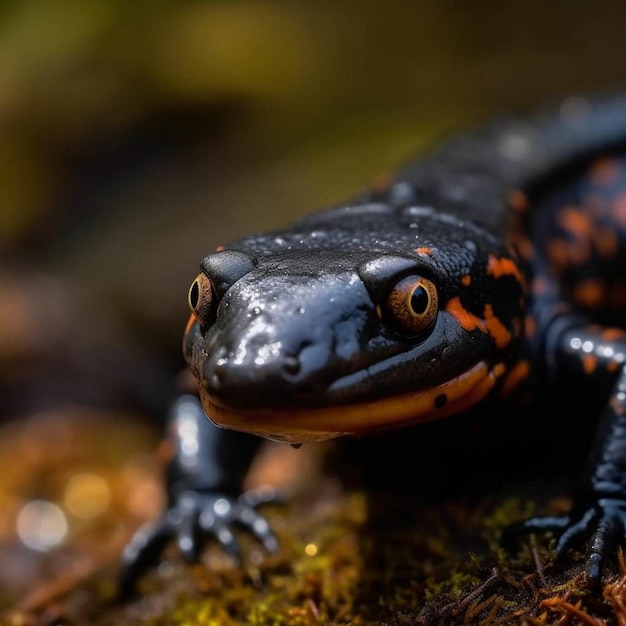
(496, 260)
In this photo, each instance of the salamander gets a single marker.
(495, 260)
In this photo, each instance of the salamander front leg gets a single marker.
(599, 512)
(204, 479)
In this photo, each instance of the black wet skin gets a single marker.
(296, 319)
(300, 327)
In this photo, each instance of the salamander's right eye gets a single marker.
(200, 298)
(412, 304)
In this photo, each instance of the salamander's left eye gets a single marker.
(412, 304)
(200, 298)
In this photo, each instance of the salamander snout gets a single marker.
(275, 345)
(263, 370)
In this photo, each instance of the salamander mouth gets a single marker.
(320, 423)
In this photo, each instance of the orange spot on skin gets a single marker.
(515, 376)
(590, 363)
(580, 227)
(518, 200)
(499, 369)
(496, 328)
(504, 267)
(427, 251)
(491, 324)
(575, 247)
(466, 319)
(613, 333)
(613, 366)
(575, 221)
(604, 172)
(466, 280)
(590, 293)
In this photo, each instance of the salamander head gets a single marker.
(306, 335)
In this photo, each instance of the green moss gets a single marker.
(349, 557)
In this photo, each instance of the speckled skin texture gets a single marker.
(521, 228)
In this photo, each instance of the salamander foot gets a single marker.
(193, 516)
(603, 523)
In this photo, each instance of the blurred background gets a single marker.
(136, 137)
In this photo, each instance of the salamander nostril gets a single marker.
(291, 364)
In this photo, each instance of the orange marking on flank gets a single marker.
(613, 366)
(491, 324)
(499, 369)
(466, 280)
(504, 267)
(496, 328)
(591, 293)
(465, 318)
(515, 376)
(613, 333)
(590, 363)
(428, 251)
(575, 222)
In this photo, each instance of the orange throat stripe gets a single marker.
(317, 424)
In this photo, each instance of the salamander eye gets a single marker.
(200, 298)
(412, 304)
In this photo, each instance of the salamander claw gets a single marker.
(573, 532)
(141, 553)
(193, 516)
(603, 522)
